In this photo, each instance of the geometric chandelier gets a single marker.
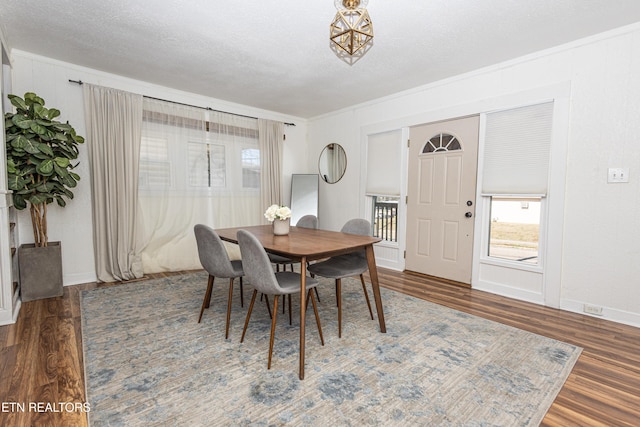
(351, 30)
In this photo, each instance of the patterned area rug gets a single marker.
(148, 362)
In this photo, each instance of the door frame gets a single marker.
(560, 94)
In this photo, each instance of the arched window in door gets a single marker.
(441, 142)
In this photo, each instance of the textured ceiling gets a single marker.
(275, 55)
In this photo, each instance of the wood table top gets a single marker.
(302, 242)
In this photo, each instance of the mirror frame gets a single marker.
(324, 174)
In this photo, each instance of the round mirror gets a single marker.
(332, 163)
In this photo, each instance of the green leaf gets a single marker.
(68, 181)
(15, 182)
(44, 148)
(38, 129)
(45, 167)
(20, 142)
(53, 113)
(67, 193)
(60, 136)
(21, 121)
(61, 202)
(11, 166)
(28, 169)
(63, 162)
(18, 102)
(41, 156)
(75, 176)
(35, 161)
(31, 146)
(60, 171)
(32, 98)
(19, 202)
(40, 111)
(45, 187)
(38, 198)
(65, 127)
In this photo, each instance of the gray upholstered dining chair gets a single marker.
(342, 266)
(215, 260)
(260, 274)
(307, 221)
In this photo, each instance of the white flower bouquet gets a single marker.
(274, 212)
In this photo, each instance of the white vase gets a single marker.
(281, 227)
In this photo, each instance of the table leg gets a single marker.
(303, 293)
(373, 274)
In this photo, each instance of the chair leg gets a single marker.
(315, 311)
(207, 297)
(289, 298)
(246, 322)
(241, 293)
(339, 298)
(226, 329)
(317, 295)
(337, 301)
(266, 298)
(212, 279)
(273, 328)
(284, 306)
(366, 295)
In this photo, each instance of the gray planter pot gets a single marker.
(40, 271)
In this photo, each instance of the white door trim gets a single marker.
(560, 94)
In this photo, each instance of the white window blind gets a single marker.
(383, 163)
(154, 165)
(516, 152)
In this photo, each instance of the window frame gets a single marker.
(490, 221)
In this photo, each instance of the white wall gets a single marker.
(73, 224)
(601, 253)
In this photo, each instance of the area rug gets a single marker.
(148, 362)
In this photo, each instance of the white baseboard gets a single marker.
(9, 318)
(509, 291)
(612, 314)
(78, 278)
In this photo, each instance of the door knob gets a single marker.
(469, 203)
(468, 214)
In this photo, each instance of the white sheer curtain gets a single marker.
(196, 166)
(114, 120)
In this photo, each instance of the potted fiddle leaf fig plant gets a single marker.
(39, 152)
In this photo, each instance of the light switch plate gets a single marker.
(618, 175)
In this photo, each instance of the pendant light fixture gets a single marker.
(351, 30)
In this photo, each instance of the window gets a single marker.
(181, 153)
(514, 231)
(155, 168)
(441, 142)
(251, 168)
(515, 179)
(207, 165)
(384, 166)
(385, 217)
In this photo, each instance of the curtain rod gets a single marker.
(80, 82)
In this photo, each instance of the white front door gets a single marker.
(443, 160)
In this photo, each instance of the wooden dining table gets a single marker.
(306, 244)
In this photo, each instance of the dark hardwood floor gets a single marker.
(41, 355)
